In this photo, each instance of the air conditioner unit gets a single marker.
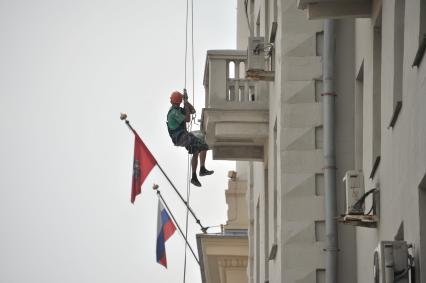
(354, 185)
(391, 262)
(256, 53)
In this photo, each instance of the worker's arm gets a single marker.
(187, 112)
(189, 109)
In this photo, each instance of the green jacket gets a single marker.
(176, 124)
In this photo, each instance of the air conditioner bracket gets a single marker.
(361, 220)
(260, 75)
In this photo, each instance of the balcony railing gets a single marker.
(225, 83)
(235, 117)
(241, 90)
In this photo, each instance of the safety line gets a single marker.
(186, 40)
(189, 158)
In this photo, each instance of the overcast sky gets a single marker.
(67, 69)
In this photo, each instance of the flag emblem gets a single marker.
(136, 170)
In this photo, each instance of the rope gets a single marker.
(188, 192)
(188, 176)
(192, 49)
(186, 40)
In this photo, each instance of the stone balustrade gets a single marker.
(226, 85)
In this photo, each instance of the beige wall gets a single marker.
(294, 160)
(366, 87)
(403, 156)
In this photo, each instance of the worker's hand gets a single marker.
(185, 95)
(188, 106)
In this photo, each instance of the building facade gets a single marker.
(224, 256)
(264, 109)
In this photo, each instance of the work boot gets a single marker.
(205, 172)
(194, 180)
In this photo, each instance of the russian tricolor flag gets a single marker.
(165, 229)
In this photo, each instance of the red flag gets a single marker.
(143, 162)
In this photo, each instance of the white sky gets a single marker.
(67, 69)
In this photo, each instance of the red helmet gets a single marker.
(176, 97)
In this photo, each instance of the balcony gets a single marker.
(322, 9)
(236, 116)
(223, 257)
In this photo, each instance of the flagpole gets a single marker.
(203, 229)
(155, 188)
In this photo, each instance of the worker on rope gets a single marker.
(177, 117)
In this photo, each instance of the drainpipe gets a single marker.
(328, 97)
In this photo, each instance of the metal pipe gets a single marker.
(328, 98)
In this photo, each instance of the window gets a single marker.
(359, 112)
(399, 25)
(377, 75)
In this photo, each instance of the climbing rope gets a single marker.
(186, 41)
(192, 57)
(189, 173)
(188, 193)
